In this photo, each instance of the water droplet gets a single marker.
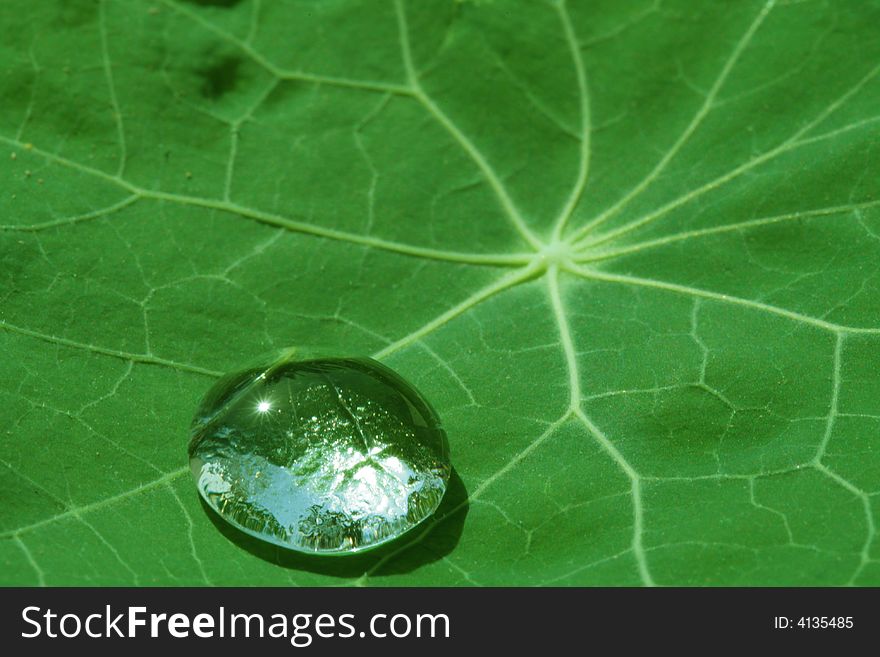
(331, 455)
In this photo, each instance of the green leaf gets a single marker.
(629, 250)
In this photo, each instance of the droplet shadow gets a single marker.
(422, 545)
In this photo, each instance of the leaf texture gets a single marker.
(629, 250)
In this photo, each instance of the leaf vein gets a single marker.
(586, 122)
(466, 144)
(689, 130)
(796, 140)
(593, 274)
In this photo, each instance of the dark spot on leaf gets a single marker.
(226, 4)
(75, 13)
(220, 77)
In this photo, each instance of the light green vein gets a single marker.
(255, 22)
(41, 576)
(477, 493)
(833, 404)
(576, 409)
(533, 99)
(234, 131)
(135, 579)
(559, 314)
(190, 528)
(490, 259)
(111, 86)
(342, 236)
(741, 226)
(70, 164)
(466, 144)
(504, 283)
(281, 73)
(870, 527)
(593, 274)
(796, 140)
(76, 511)
(586, 125)
(689, 130)
(70, 221)
(147, 359)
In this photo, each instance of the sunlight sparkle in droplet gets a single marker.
(353, 458)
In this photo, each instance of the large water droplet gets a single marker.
(328, 456)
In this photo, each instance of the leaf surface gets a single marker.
(629, 250)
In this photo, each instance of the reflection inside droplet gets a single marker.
(341, 455)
